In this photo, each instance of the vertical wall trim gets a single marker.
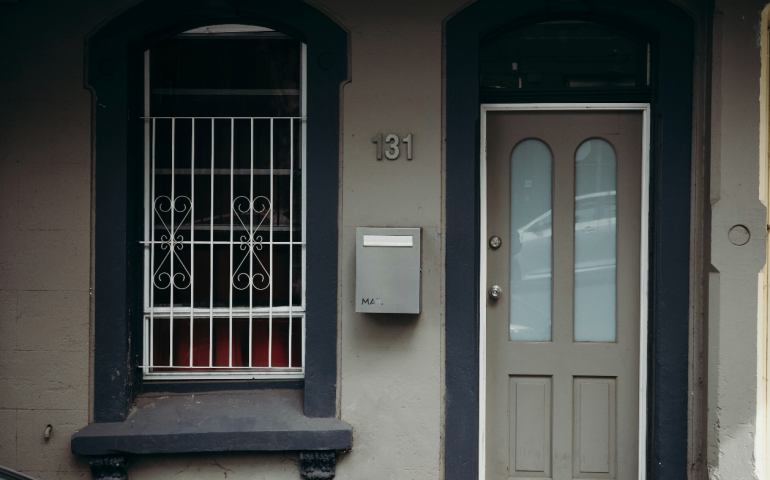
(763, 315)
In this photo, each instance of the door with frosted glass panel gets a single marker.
(562, 383)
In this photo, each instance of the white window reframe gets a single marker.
(149, 370)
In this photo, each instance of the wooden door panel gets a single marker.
(594, 429)
(560, 408)
(529, 416)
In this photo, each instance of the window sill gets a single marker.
(257, 420)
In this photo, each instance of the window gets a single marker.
(564, 54)
(224, 226)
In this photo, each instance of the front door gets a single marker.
(564, 235)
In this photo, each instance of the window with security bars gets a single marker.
(224, 205)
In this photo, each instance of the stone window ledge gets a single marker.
(225, 421)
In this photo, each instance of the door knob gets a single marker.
(495, 292)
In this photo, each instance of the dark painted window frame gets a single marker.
(113, 73)
(671, 97)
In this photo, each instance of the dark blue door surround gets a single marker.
(671, 33)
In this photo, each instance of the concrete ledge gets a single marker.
(257, 420)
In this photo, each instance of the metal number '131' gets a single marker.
(393, 151)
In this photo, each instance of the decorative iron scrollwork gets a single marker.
(109, 468)
(172, 242)
(251, 243)
(320, 465)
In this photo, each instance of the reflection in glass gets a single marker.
(595, 239)
(561, 55)
(249, 75)
(531, 242)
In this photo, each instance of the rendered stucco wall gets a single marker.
(45, 210)
(732, 324)
(390, 366)
(45, 182)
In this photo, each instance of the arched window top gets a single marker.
(226, 71)
(595, 168)
(531, 166)
(227, 29)
(531, 148)
(564, 55)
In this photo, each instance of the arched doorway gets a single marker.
(661, 78)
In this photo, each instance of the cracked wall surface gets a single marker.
(234, 466)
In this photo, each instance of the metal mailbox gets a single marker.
(388, 270)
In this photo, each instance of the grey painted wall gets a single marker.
(45, 183)
(390, 368)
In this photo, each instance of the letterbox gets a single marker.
(388, 270)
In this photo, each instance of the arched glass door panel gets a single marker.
(531, 241)
(595, 241)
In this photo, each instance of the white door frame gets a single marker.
(643, 307)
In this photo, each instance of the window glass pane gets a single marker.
(531, 164)
(563, 54)
(202, 75)
(595, 242)
(224, 202)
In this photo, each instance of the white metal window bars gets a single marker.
(251, 213)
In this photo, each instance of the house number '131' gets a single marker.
(393, 151)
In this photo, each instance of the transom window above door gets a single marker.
(565, 54)
(224, 203)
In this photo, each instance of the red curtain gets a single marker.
(260, 348)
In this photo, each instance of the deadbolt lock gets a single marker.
(495, 292)
(495, 242)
